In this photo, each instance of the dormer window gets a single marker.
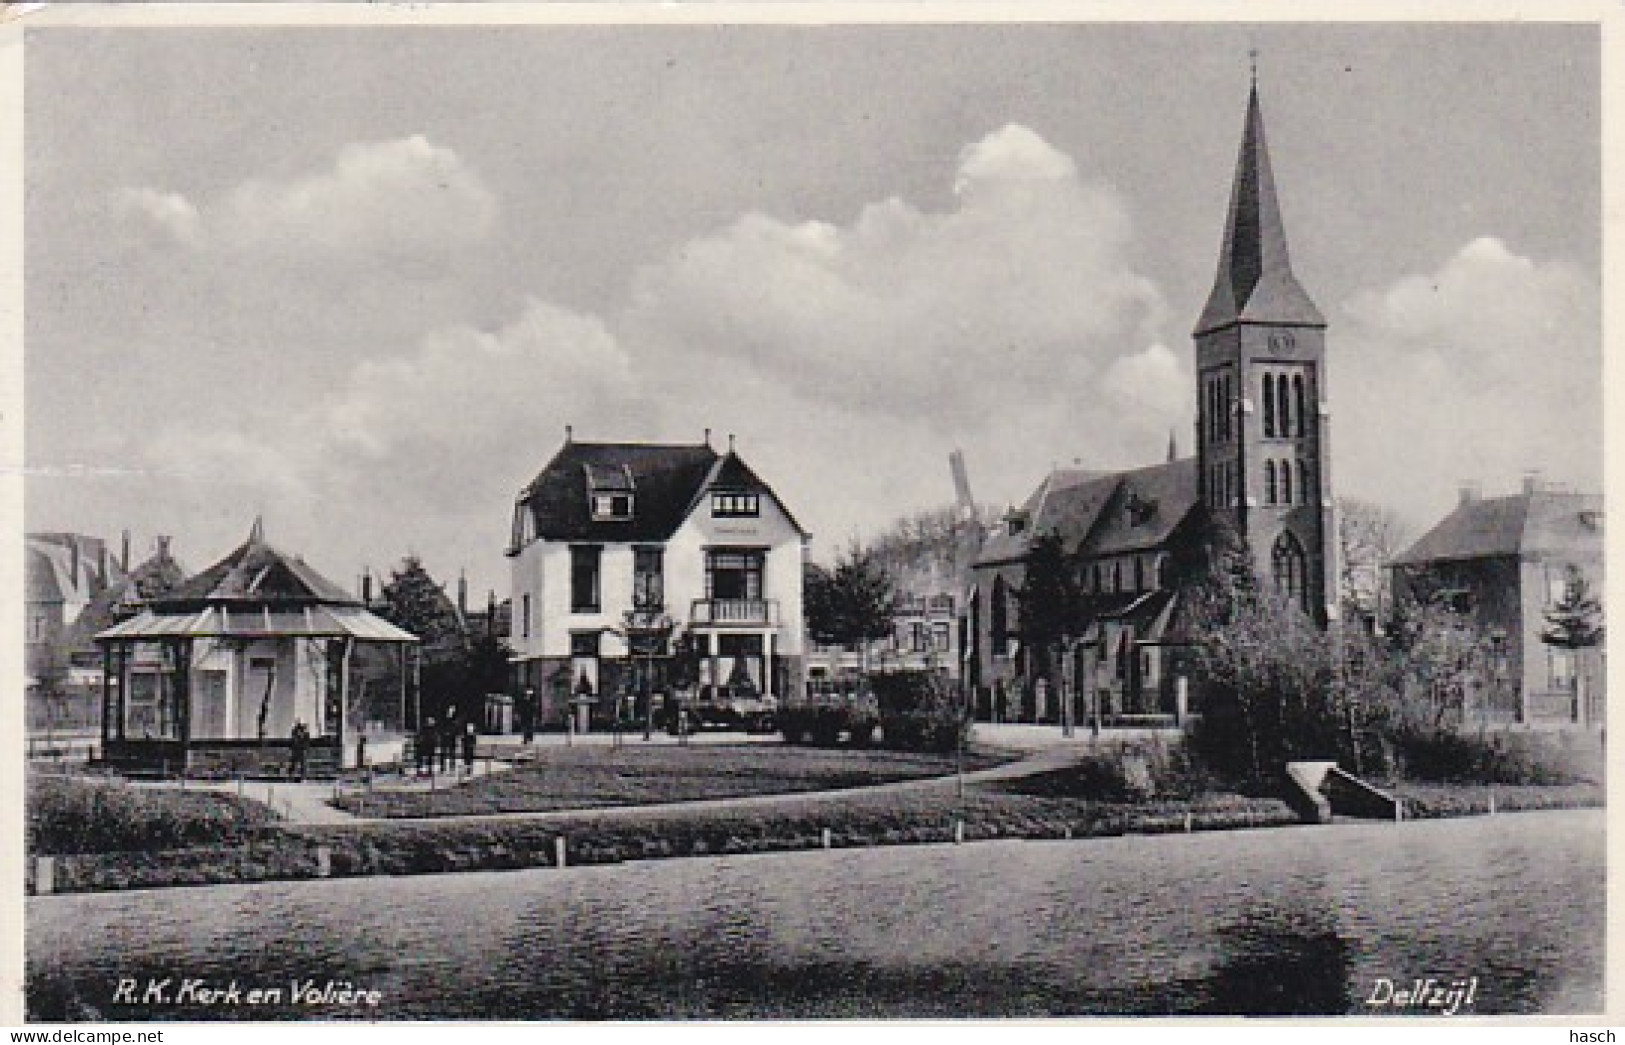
(610, 493)
(611, 507)
(735, 505)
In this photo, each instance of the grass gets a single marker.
(211, 838)
(594, 777)
(920, 815)
(1425, 801)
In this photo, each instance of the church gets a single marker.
(1262, 464)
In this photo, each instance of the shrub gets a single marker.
(920, 711)
(80, 815)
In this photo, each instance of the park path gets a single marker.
(1040, 749)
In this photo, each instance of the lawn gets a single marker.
(596, 777)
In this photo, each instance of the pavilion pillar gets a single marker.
(107, 692)
(122, 688)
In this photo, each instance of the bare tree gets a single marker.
(1369, 538)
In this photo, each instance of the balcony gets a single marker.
(758, 612)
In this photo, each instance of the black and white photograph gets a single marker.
(774, 513)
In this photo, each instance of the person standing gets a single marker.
(470, 739)
(298, 746)
(427, 733)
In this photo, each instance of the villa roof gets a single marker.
(1523, 524)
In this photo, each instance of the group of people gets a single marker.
(437, 743)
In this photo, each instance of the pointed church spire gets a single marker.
(1255, 281)
(257, 534)
(1173, 447)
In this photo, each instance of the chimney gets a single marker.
(73, 568)
(101, 563)
(730, 442)
(163, 546)
(1531, 482)
(124, 554)
(366, 587)
(569, 433)
(462, 593)
(708, 438)
(1469, 492)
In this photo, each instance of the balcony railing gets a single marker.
(735, 611)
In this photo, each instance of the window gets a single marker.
(1117, 576)
(584, 578)
(735, 505)
(1560, 664)
(734, 574)
(648, 578)
(1283, 408)
(1228, 407)
(941, 637)
(1269, 482)
(1297, 396)
(919, 637)
(1557, 584)
(613, 507)
(1286, 482)
(1269, 405)
(37, 628)
(1139, 574)
(584, 647)
(1289, 567)
(524, 615)
(999, 618)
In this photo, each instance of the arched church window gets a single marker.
(1297, 397)
(1289, 568)
(998, 618)
(1269, 404)
(1139, 574)
(1286, 482)
(1269, 482)
(1227, 405)
(1283, 407)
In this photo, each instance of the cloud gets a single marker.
(407, 204)
(1480, 370)
(429, 447)
(849, 357)
(1020, 296)
(171, 213)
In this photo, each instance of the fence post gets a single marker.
(824, 837)
(560, 854)
(959, 831)
(324, 862)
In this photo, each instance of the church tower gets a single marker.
(1262, 448)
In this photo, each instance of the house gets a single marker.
(212, 676)
(1505, 562)
(1261, 467)
(642, 569)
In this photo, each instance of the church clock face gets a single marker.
(1282, 341)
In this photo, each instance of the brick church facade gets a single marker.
(1261, 464)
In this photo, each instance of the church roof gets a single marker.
(1255, 283)
(1523, 524)
(1103, 513)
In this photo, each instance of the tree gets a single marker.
(853, 604)
(413, 601)
(1369, 538)
(1575, 621)
(1049, 604)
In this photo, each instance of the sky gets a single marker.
(358, 280)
